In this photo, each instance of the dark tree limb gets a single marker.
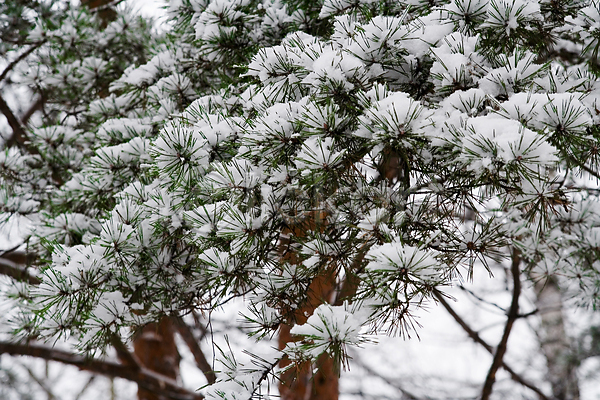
(513, 314)
(149, 380)
(104, 9)
(123, 353)
(188, 337)
(20, 58)
(476, 338)
(36, 106)
(19, 134)
(10, 250)
(589, 170)
(12, 269)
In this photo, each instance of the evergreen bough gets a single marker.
(389, 146)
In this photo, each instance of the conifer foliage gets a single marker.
(334, 163)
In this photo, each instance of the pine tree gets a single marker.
(335, 164)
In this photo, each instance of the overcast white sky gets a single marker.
(149, 7)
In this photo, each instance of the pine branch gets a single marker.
(477, 339)
(149, 380)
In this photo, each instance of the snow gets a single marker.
(491, 138)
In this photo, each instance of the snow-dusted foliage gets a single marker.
(261, 146)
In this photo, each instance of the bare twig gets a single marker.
(476, 338)
(40, 382)
(461, 287)
(149, 380)
(86, 387)
(395, 385)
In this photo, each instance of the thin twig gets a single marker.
(461, 287)
(199, 325)
(86, 387)
(31, 110)
(476, 338)
(387, 380)
(40, 382)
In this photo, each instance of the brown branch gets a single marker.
(32, 109)
(20, 58)
(18, 135)
(476, 338)
(123, 353)
(12, 269)
(104, 9)
(513, 314)
(149, 380)
(188, 337)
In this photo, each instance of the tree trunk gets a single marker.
(554, 343)
(299, 382)
(106, 13)
(156, 349)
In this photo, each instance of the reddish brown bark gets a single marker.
(155, 348)
(299, 383)
(106, 13)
